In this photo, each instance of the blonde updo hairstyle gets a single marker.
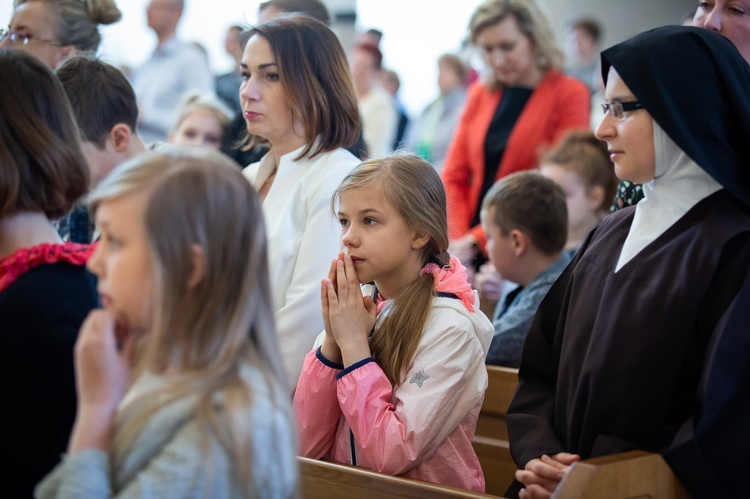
(78, 20)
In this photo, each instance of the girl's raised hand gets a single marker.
(351, 315)
(102, 378)
(329, 348)
(102, 368)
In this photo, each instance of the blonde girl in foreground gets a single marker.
(180, 387)
(396, 381)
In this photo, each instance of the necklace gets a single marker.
(270, 177)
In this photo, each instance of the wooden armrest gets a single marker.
(634, 474)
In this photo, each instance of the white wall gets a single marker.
(622, 19)
(130, 41)
(416, 31)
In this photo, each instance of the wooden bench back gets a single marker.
(500, 389)
(326, 480)
(491, 438)
(620, 476)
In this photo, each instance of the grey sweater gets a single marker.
(514, 315)
(167, 459)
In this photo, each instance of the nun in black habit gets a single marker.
(710, 454)
(614, 357)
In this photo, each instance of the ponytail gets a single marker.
(413, 187)
(394, 344)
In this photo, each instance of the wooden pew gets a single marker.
(500, 389)
(491, 438)
(490, 444)
(326, 480)
(635, 474)
(619, 476)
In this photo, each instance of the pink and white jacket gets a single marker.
(421, 429)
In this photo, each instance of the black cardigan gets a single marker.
(40, 314)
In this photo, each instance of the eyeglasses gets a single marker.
(618, 109)
(22, 39)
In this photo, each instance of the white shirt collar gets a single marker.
(679, 184)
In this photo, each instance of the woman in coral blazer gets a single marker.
(526, 103)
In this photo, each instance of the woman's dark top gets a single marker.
(40, 314)
(502, 124)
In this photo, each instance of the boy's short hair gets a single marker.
(533, 204)
(100, 96)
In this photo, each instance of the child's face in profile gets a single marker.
(383, 247)
(500, 247)
(123, 262)
(199, 128)
(583, 206)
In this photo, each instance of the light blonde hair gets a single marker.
(532, 21)
(78, 20)
(208, 332)
(195, 101)
(413, 187)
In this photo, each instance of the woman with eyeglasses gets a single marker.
(615, 354)
(525, 103)
(730, 18)
(54, 30)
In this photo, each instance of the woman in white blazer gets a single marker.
(297, 97)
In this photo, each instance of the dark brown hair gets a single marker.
(590, 26)
(315, 76)
(100, 96)
(533, 204)
(313, 8)
(580, 151)
(43, 168)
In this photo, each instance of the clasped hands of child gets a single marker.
(348, 316)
